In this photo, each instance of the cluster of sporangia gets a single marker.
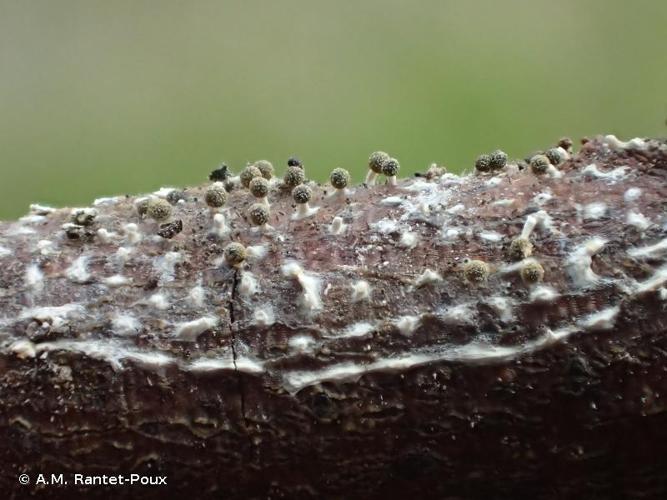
(540, 163)
(256, 179)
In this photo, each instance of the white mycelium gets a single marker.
(408, 240)
(159, 301)
(310, 298)
(116, 280)
(106, 236)
(190, 330)
(197, 296)
(78, 270)
(579, 262)
(614, 175)
(165, 265)
(220, 228)
(133, 235)
(264, 316)
(248, 285)
(595, 210)
(125, 324)
(540, 219)
(361, 290)
(427, 277)
(637, 220)
(34, 278)
(632, 194)
(337, 226)
(649, 251)
(408, 324)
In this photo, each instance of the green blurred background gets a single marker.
(126, 96)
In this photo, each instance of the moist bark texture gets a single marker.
(353, 354)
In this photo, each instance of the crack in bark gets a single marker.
(232, 320)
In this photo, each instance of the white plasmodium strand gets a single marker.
(632, 194)
(310, 285)
(614, 175)
(125, 324)
(543, 294)
(78, 270)
(166, 264)
(57, 316)
(540, 220)
(427, 277)
(197, 296)
(654, 250)
(257, 252)
(220, 227)
(409, 240)
(361, 291)
(264, 316)
(118, 353)
(159, 301)
(190, 330)
(337, 226)
(116, 280)
(637, 220)
(595, 210)
(473, 352)
(653, 283)
(579, 262)
(408, 324)
(34, 278)
(248, 285)
(601, 320)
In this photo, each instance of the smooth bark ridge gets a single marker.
(491, 335)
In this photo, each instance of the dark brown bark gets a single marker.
(437, 388)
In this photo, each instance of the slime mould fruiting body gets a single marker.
(494, 235)
(500, 264)
(440, 272)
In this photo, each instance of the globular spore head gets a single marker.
(483, 163)
(294, 162)
(555, 156)
(294, 176)
(539, 164)
(258, 213)
(391, 167)
(532, 272)
(376, 160)
(497, 160)
(170, 229)
(565, 143)
(142, 206)
(339, 178)
(175, 196)
(248, 174)
(476, 271)
(220, 174)
(520, 248)
(158, 209)
(235, 254)
(302, 194)
(259, 187)
(84, 217)
(266, 167)
(216, 195)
